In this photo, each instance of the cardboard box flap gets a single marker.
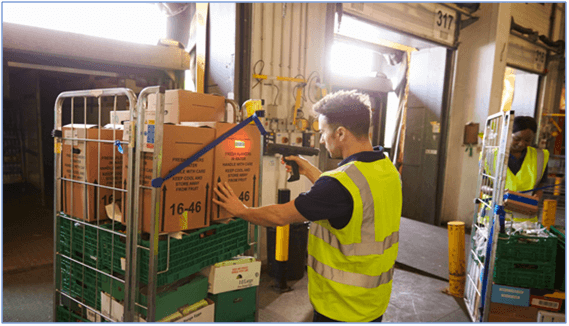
(80, 126)
(113, 126)
(205, 124)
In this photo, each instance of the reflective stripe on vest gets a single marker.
(356, 249)
(348, 278)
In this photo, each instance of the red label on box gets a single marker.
(551, 304)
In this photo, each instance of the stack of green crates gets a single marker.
(526, 261)
(65, 315)
(188, 255)
(560, 273)
(178, 260)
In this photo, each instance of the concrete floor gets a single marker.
(28, 297)
(420, 277)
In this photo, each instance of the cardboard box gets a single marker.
(550, 317)
(186, 197)
(510, 295)
(236, 161)
(182, 105)
(203, 315)
(119, 117)
(89, 165)
(93, 317)
(117, 312)
(546, 303)
(111, 308)
(233, 275)
(500, 312)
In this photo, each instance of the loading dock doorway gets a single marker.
(410, 84)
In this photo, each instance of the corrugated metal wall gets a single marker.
(289, 39)
(533, 15)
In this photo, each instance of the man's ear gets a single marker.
(341, 133)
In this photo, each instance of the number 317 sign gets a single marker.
(445, 24)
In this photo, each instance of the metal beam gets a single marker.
(62, 69)
(29, 39)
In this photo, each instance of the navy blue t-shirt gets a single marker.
(329, 199)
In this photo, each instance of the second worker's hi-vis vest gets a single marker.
(350, 270)
(529, 175)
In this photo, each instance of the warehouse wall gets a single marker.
(477, 87)
(289, 39)
(478, 84)
(533, 15)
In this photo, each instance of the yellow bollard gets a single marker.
(281, 246)
(456, 259)
(556, 190)
(549, 211)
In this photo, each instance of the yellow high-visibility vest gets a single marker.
(529, 175)
(350, 270)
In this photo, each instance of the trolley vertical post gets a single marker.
(488, 213)
(87, 265)
(155, 201)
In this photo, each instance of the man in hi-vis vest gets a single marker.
(355, 210)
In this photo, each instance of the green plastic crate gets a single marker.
(169, 298)
(234, 306)
(560, 272)
(527, 248)
(537, 275)
(559, 231)
(188, 255)
(86, 241)
(82, 283)
(248, 319)
(66, 316)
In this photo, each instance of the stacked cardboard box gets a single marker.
(236, 161)
(516, 304)
(233, 287)
(91, 163)
(186, 198)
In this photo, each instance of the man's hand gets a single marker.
(228, 200)
(304, 167)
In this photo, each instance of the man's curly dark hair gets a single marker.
(349, 109)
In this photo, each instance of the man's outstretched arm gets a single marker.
(271, 215)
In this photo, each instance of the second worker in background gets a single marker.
(355, 210)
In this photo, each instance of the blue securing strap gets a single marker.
(554, 185)
(157, 183)
(499, 210)
(119, 146)
(521, 199)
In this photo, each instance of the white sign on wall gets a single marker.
(444, 23)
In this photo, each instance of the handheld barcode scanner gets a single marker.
(283, 232)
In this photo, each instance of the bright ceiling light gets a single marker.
(141, 23)
(349, 60)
